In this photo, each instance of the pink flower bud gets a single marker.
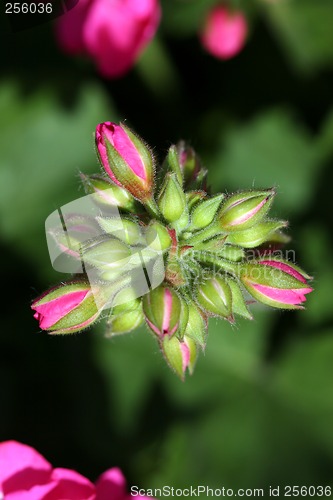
(179, 354)
(112, 32)
(276, 283)
(66, 308)
(126, 159)
(224, 33)
(245, 209)
(162, 309)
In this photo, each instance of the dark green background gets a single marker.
(258, 410)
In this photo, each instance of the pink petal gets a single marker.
(285, 296)
(51, 312)
(167, 311)
(284, 267)
(102, 129)
(245, 217)
(111, 485)
(125, 147)
(19, 462)
(185, 355)
(39, 492)
(70, 485)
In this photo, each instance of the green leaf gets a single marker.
(304, 29)
(43, 145)
(270, 150)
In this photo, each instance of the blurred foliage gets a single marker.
(259, 407)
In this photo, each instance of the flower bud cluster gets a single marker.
(214, 252)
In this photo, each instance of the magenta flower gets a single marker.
(26, 475)
(112, 32)
(66, 308)
(125, 159)
(276, 283)
(224, 33)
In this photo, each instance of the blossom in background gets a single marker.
(224, 32)
(26, 475)
(112, 32)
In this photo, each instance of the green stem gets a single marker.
(226, 265)
(152, 208)
(204, 234)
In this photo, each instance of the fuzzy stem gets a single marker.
(208, 232)
(224, 264)
(152, 208)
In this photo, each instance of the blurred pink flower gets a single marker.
(26, 475)
(224, 32)
(112, 32)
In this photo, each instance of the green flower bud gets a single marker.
(125, 230)
(171, 164)
(125, 317)
(244, 210)
(107, 194)
(157, 236)
(193, 173)
(162, 309)
(71, 236)
(171, 200)
(109, 255)
(193, 197)
(238, 302)
(214, 296)
(196, 327)
(204, 212)
(256, 235)
(179, 354)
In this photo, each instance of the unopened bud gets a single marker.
(110, 255)
(126, 159)
(162, 308)
(214, 296)
(196, 327)
(66, 308)
(108, 194)
(157, 236)
(276, 283)
(126, 230)
(244, 210)
(194, 174)
(256, 235)
(125, 318)
(171, 200)
(204, 212)
(238, 302)
(179, 354)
